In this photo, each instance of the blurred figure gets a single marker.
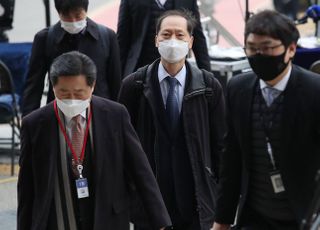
(74, 31)
(272, 147)
(287, 7)
(178, 112)
(77, 154)
(6, 18)
(136, 29)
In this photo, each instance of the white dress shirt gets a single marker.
(161, 1)
(164, 85)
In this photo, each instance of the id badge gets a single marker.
(276, 181)
(82, 188)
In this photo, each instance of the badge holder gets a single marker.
(82, 184)
(276, 181)
(275, 175)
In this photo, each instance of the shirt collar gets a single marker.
(92, 28)
(68, 119)
(162, 1)
(180, 76)
(281, 85)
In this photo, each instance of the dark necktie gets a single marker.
(172, 107)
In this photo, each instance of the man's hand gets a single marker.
(162, 228)
(217, 226)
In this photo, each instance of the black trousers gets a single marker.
(194, 224)
(254, 221)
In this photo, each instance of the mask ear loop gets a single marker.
(54, 92)
(286, 63)
(90, 98)
(286, 48)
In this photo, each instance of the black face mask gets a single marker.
(267, 67)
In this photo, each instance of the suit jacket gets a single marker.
(300, 146)
(90, 43)
(132, 28)
(118, 153)
(203, 123)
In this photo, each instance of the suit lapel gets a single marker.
(101, 139)
(291, 100)
(153, 95)
(52, 147)
(246, 94)
(46, 153)
(59, 33)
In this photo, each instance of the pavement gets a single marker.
(8, 203)
(29, 18)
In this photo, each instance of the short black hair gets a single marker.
(65, 6)
(273, 24)
(73, 64)
(191, 20)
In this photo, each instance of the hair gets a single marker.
(273, 24)
(65, 6)
(191, 20)
(73, 64)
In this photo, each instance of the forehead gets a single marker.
(174, 22)
(261, 39)
(73, 12)
(71, 82)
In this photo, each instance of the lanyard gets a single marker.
(266, 129)
(75, 157)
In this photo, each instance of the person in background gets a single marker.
(136, 29)
(74, 31)
(178, 112)
(77, 154)
(287, 7)
(272, 147)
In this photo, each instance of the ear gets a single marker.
(94, 84)
(292, 50)
(54, 92)
(191, 42)
(156, 41)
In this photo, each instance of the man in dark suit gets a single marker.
(79, 157)
(136, 30)
(74, 31)
(272, 147)
(178, 113)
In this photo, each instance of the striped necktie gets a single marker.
(77, 134)
(270, 94)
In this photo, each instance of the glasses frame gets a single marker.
(268, 50)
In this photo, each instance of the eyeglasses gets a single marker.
(249, 50)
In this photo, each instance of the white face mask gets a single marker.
(74, 27)
(173, 50)
(71, 108)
